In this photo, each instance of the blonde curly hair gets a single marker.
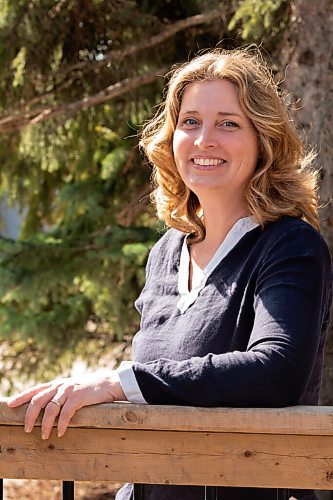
(283, 183)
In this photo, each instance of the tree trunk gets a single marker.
(307, 55)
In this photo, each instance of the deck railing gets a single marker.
(282, 448)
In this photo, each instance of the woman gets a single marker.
(236, 303)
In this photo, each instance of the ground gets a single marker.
(51, 490)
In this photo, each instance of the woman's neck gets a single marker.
(220, 215)
(218, 225)
(218, 220)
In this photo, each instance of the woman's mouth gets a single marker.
(207, 162)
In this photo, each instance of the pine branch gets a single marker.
(19, 120)
(54, 11)
(66, 77)
(135, 205)
(118, 55)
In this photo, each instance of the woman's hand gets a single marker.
(63, 397)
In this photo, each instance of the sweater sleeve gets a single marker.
(290, 302)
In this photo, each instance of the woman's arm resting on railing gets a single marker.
(63, 397)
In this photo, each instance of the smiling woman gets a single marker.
(215, 145)
(283, 183)
(236, 303)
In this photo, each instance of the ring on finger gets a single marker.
(56, 402)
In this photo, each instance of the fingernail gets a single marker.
(60, 434)
(44, 436)
(27, 428)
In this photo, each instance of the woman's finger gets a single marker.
(67, 413)
(27, 395)
(52, 410)
(39, 401)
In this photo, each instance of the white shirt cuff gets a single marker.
(129, 383)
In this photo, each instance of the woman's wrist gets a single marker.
(115, 387)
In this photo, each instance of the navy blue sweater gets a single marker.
(253, 337)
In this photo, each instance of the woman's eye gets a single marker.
(229, 124)
(190, 121)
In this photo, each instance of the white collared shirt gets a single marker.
(200, 276)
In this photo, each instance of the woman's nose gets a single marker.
(206, 138)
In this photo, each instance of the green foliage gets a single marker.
(18, 66)
(257, 18)
(68, 284)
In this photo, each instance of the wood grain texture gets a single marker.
(170, 457)
(309, 420)
(286, 447)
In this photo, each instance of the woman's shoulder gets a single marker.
(171, 237)
(290, 236)
(293, 228)
(169, 244)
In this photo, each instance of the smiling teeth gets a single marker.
(207, 161)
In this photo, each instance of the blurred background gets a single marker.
(78, 80)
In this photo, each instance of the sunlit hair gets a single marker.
(283, 182)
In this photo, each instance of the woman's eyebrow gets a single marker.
(219, 113)
(228, 113)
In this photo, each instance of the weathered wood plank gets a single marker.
(307, 420)
(286, 447)
(233, 459)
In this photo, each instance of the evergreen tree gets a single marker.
(78, 78)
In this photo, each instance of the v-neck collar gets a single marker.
(187, 298)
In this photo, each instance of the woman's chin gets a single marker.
(207, 185)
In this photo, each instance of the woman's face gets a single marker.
(215, 145)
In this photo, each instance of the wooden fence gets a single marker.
(245, 447)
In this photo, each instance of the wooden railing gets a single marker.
(245, 447)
